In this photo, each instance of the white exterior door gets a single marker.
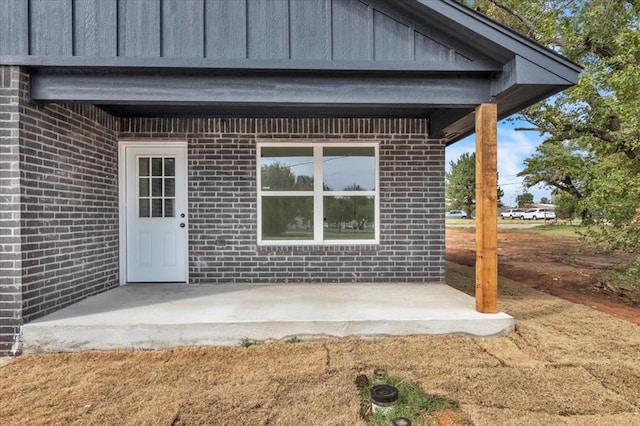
(156, 213)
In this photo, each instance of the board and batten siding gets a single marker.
(353, 30)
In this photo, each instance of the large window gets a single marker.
(317, 193)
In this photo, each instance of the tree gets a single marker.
(566, 205)
(357, 211)
(591, 148)
(562, 166)
(280, 212)
(460, 183)
(524, 199)
(544, 200)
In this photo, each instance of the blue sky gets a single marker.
(513, 147)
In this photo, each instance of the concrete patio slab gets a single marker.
(155, 316)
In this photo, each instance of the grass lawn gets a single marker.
(550, 229)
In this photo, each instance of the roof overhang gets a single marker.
(501, 66)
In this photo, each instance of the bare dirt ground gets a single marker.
(557, 266)
(567, 364)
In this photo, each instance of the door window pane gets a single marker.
(169, 187)
(170, 167)
(156, 166)
(349, 168)
(143, 166)
(156, 187)
(156, 207)
(143, 187)
(143, 207)
(168, 207)
(349, 218)
(287, 218)
(287, 168)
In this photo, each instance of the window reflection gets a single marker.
(143, 166)
(349, 168)
(156, 166)
(287, 218)
(287, 168)
(349, 218)
(144, 207)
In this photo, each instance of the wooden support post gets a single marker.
(487, 208)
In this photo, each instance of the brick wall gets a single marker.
(10, 246)
(222, 201)
(58, 183)
(69, 186)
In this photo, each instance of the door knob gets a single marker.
(182, 225)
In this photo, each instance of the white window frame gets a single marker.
(318, 193)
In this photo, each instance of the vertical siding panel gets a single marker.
(309, 28)
(182, 28)
(95, 28)
(268, 32)
(226, 32)
(14, 27)
(139, 28)
(351, 33)
(51, 32)
(428, 49)
(391, 41)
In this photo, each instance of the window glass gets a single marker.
(156, 187)
(287, 168)
(287, 218)
(156, 166)
(349, 218)
(143, 187)
(344, 207)
(143, 166)
(170, 167)
(169, 187)
(349, 168)
(168, 207)
(156, 207)
(144, 207)
(156, 195)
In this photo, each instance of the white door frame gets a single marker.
(123, 144)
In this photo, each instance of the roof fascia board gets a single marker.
(520, 71)
(453, 13)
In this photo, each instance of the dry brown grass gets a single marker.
(566, 364)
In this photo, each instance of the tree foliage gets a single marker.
(460, 183)
(525, 199)
(460, 186)
(566, 205)
(591, 148)
(278, 213)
